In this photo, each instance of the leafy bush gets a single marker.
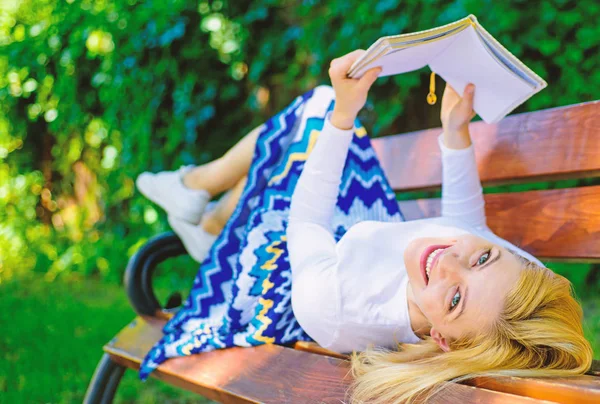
(94, 92)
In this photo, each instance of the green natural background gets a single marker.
(94, 92)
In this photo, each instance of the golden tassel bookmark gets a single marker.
(431, 97)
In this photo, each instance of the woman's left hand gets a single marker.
(350, 94)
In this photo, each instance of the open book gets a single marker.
(461, 52)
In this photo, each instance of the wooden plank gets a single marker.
(542, 145)
(313, 347)
(264, 374)
(267, 373)
(459, 393)
(580, 389)
(551, 224)
(316, 348)
(595, 370)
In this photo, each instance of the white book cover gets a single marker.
(461, 52)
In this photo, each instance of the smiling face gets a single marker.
(468, 280)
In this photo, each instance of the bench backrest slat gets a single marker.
(556, 224)
(552, 144)
(549, 144)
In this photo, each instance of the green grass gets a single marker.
(51, 338)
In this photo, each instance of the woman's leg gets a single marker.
(230, 273)
(225, 172)
(214, 221)
(199, 238)
(185, 193)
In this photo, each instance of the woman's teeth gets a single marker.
(430, 260)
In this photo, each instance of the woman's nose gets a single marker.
(450, 265)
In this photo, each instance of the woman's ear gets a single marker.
(439, 339)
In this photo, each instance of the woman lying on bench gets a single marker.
(423, 301)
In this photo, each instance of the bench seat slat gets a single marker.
(264, 374)
(267, 373)
(315, 348)
(581, 389)
(554, 224)
(550, 144)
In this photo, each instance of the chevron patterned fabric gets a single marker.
(241, 295)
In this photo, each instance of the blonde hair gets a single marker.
(539, 333)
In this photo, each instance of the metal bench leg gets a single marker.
(104, 383)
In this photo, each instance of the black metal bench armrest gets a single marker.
(140, 268)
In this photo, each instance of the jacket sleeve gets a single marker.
(462, 195)
(310, 241)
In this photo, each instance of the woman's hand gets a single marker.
(350, 94)
(456, 114)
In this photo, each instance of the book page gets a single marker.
(406, 40)
(507, 62)
(408, 59)
(502, 53)
(497, 89)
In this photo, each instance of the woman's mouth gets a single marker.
(429, 258)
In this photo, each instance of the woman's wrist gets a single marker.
(342, 120)
(457, 138)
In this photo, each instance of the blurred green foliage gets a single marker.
(93, 92)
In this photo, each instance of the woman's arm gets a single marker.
(462, 195)
(311, 245)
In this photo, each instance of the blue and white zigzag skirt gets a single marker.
(242, 293)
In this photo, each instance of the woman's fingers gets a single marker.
(469, 94)
(450, 91)
(350, 94)
(367, 80)
(457, 111)
(348, 58)
(449, 99)
(466, 103)
(338, 69)
(340, 66)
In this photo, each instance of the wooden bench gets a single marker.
(557, 224)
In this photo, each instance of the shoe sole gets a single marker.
(177, 228)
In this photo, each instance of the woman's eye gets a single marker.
(455, 299)
(484, 257)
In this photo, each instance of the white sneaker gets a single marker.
(196, 240)
(166, 189)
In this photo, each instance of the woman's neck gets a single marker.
(418, 322)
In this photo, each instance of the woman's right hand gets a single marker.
(456, 114)
(350, 94)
